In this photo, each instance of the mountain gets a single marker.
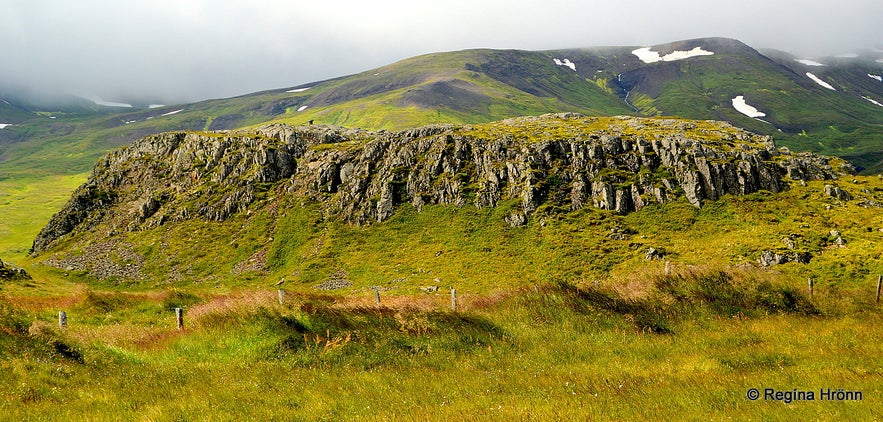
(705, 78)
(264, 195)
(13, 113)
(697, 79)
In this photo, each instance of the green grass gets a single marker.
(549, 353)
(386, 110)
(26, 204)
(564, 318)
(561, 319)
(284, 237)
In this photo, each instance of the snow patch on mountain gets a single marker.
(873, 101)
(820, 82)
(299, 89)
(302, 108)
(648, 56)
(809, 62)
(742, 107)
(99, 101)
(877, 77)
(155, 106)
(567, 63)
(5, 125)
(172, 112)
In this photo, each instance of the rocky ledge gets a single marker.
(566, 160)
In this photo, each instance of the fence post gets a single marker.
(879, 281)
(809, 281)
(62, 319)
(453, 299)
(179, 318)
(377, 296)
(281, 294)
(667, 268)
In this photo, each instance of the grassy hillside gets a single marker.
(664, 313)
(427, 89)
(564, 318)
(799, 112)
(10, 113)
(550, 353)
(26, 205)
(476, 86)
(661, 313)
(475, 249)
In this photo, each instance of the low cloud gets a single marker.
(173, 51)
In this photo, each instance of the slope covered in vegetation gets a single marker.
(672, 309)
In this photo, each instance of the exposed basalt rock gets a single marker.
(11, 272)
(653, 254)
(335, 281)
(178, 176)
(770, 258)
(568, 161)
(110, 259)
(837, 193)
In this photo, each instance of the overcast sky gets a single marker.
(185, 50)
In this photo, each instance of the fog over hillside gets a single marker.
(169, 51)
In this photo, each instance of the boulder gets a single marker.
(837, 193)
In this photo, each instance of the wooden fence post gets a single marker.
(281, 294)
(62, 319)
(667, 268)
(879, 282)
(809, 281)
(453, 299)
(377, 296)
(179, 318)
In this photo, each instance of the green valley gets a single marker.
(472, 235)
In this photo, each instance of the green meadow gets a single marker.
(564, 318)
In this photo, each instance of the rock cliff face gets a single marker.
(567, 161)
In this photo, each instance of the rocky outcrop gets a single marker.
(567, 160)
(837, 193)
(11, 272)
(104, 260)
(770, 258)
(178, 176)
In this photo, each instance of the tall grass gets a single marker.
(556, 351)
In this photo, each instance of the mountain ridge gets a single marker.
(481, 85)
